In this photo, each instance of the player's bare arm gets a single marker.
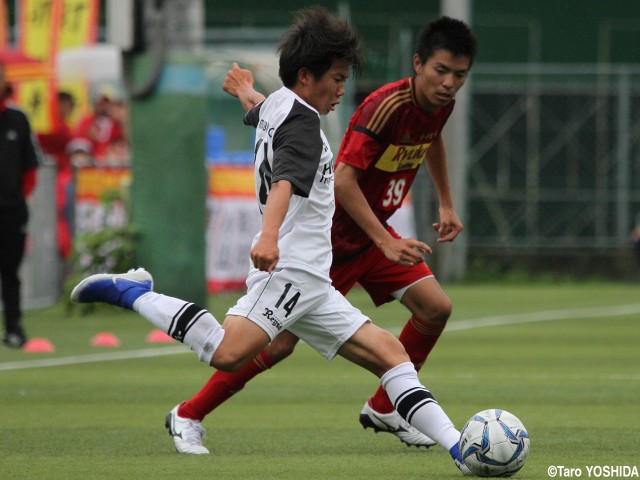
(239, 83)
(265, 253)
(405, 251)
(450, 225)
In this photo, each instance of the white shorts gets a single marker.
(307, 306)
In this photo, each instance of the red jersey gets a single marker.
(387, 138)
(55, 144)
(102, 131)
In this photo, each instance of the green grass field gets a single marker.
(565, 358)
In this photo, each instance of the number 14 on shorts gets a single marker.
(287, 300)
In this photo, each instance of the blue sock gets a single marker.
(455, 452)
(131, 294)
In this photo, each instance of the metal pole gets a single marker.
(452, 258)
(623, 149)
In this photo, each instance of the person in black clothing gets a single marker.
(18, 162)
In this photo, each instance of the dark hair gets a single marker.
(66, 97)
(315, 39)
(449, 34)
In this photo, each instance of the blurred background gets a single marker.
(543, 145)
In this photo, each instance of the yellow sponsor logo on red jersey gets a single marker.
(402, 157)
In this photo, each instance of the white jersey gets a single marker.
(290, 145)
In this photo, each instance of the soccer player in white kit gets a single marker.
(288, 286)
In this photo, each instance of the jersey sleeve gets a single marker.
(361, 145)
(297, 148)
(252, 116)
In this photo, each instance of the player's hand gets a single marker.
(449, 227)
(405, 251)
(265, 256)
(237, 80)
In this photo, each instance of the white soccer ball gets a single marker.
(494, 443)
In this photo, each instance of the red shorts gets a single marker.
(378, 275)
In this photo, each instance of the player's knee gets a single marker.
(282, 346)
(434, 312)
(229, 361)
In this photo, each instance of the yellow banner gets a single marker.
(92, 182)
(37, 22)
(49, 26)
(34, 97)
(78, 25)
(46, 27)
(231, 181)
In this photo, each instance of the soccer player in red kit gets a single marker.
(396, 129)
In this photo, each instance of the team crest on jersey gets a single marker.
(402, 157)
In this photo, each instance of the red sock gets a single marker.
(221, 386)
(418, 344)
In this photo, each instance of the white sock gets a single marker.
(186, 322)
(417, 406)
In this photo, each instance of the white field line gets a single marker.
(573, 313)
(495, 321)
(95, 357)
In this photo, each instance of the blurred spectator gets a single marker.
(19, 158)
(102, 131)
(55, 144)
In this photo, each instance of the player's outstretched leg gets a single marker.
(184, 321)
(393, 423)
(115, 289)
(187, 434)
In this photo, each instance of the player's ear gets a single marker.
(305, 76)
(417, 62)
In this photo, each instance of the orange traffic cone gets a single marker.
(158, 336)
(38, 345)
(105, 339)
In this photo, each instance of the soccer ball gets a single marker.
(494, 443)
